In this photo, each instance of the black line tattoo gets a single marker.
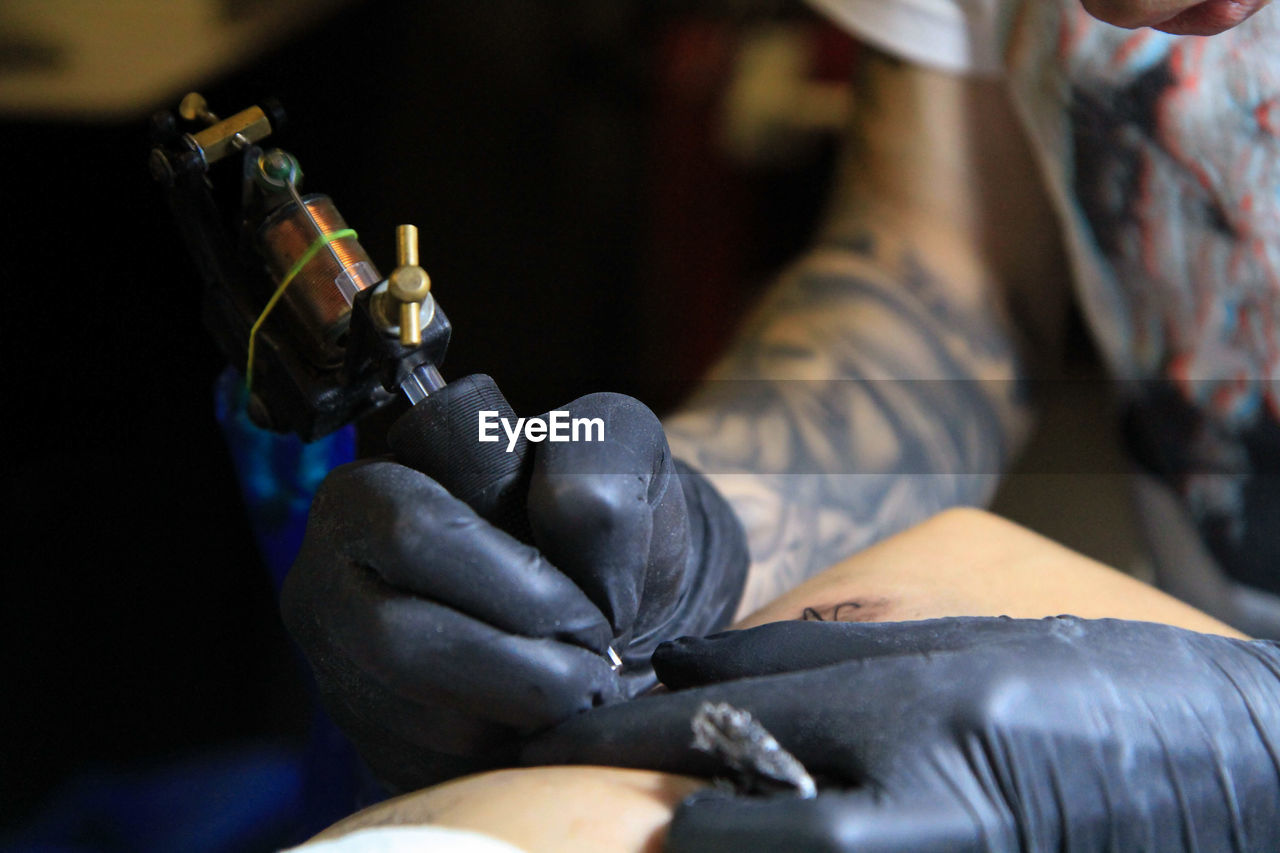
(857, 610)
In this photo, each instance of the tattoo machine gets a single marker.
(320, 336)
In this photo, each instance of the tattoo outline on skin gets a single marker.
(855, 610)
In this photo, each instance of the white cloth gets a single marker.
(410, 839)
(958, 36)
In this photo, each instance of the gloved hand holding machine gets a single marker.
(463, 637)
(470, 595)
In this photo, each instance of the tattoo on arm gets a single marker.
(862, 397)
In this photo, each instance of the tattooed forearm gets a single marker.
(864, 396)
(878, 382)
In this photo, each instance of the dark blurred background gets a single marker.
(601, 189)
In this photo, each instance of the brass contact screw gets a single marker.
(194, 106)
(408, 285)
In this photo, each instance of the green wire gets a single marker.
(321, 241)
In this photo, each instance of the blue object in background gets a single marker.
(278, 474)
(242, 796)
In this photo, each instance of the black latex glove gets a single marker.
(969, 734)
(438, 641)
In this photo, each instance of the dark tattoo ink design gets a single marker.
(858, 610)
(861, 398)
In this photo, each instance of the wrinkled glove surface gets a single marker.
(969, 734)
(439, 641)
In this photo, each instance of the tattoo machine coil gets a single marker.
(294, 302)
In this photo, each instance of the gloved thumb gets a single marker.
(867, 821)
(780, 647)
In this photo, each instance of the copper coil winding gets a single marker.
(314, 304)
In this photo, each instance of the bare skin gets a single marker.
(1177, 17)
(967, 562)
(551, 809)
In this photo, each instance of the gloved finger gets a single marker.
(610, 513)
(650, 732)
(434, 655)
(421, 539)
(865, 821)
(410, 743)
(844, 720)
(655, 732)
(794, 646)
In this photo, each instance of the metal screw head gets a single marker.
(194, 106)
(276, 163)
(277, 169)
(409, 284)
(160, 167)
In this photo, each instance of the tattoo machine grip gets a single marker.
(439, 437)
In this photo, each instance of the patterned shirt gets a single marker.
(1162, 154)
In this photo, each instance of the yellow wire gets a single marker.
(321, 241)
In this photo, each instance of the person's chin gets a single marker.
(1210, 17)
